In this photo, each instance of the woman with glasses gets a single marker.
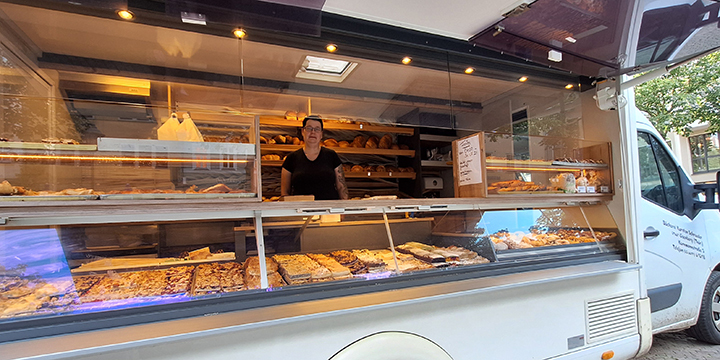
(313, 170)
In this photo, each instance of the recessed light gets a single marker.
(571, 39)
(469, 70)
(554, 55)
(331, 48)
(406, 60)
(523, 79)
(569, 86)
(239, 33)
(125, 14)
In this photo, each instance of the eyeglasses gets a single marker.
(313, 129)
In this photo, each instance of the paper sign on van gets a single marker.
(469, 170)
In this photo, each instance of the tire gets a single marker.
(707, 328)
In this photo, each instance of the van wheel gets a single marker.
(707, 328)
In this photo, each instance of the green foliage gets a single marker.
(687, 94)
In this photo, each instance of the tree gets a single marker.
(685, 95)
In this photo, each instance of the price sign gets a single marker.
(469, 170)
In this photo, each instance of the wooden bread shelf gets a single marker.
(331, 124)
(380, 175)
(358, 174)
(266, 148)
(502, 165)
(436, 164)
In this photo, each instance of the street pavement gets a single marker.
(678, 346)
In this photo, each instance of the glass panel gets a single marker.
(74, 270)
(697, 146)
(367, 112)
(84, 269)
(712, 143)
(700, 165)
(539, 228)
(714, 163)
(587, 33)
(650, 184)
(547, 165)
(139, 115)
(670, 177)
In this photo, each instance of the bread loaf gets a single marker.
(347, 167)
(296, 141)
(279, 139)
(380, 168)
(369, 168)
(344, 144)
(359, 141)
(385, 142)
(356, 168)
(291, 115)
(395, 146)
(330, 143)
(372, 143)
(404, 147)
(263, 140)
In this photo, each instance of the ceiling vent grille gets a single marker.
(610, 317)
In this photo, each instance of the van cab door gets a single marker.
(676, 247)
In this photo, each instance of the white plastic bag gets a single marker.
(168, 130)
(187, 131)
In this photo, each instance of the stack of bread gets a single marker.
(252, 273)
(293, 269)
(373, 263)
(349, 260)
(337, 271)
(406, 262)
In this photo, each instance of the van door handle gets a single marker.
(650, 233)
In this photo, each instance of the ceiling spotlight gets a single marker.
(331, 48)
(125, 14)
(240, 33)
(569, 86)
(406, 60)
(571, 39)
(523, 79)
(469, 70)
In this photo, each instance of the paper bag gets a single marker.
(187, 131)
(168, 130)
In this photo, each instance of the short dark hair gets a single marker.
(313, 117)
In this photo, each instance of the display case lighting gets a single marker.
(239, 33)
(523, 79)
(331, 48)
(406, 60)
(469, 70)
(125, 14)
(569, 86)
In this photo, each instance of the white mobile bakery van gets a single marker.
(507, 200)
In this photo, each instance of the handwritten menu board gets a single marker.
(468, 159)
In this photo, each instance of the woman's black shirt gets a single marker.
(313, 177)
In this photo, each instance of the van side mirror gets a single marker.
(711, 192)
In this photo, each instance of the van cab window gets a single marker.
(659, 178)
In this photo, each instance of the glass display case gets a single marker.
(134, 168)
(66, 273)
(494, 164)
